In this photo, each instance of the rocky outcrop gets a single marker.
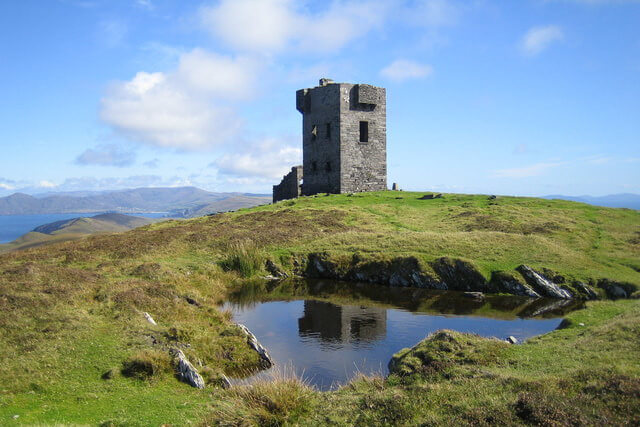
(459, 275)
(185, 371)
(585, 290)
(508, 283)
(274, 270)
(265, 359)
(451, 274)
(398, 272)
(541, 284)
(616, 290)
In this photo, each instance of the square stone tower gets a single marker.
(344, 141)
(344, 137)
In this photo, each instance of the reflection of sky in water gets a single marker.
(327, 344)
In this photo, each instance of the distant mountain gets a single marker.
(74, 229)
(124, 201)
(229, 204)
(623, 200)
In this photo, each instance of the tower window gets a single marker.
(328, 130)
(314, 132)
(364, 131)
(328, 167)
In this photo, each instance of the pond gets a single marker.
(326, 332)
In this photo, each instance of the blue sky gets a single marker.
(527, 97)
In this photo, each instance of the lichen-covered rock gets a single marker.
(459, 275)
(541, 284)
(508, 283)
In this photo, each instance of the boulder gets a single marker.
(149, 318)
(185, 371)
(512, 340)
(541, 284)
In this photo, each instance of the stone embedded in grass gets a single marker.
(149, 318)
(541, 284)
(185, 371)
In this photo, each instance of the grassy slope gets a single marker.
(73, 311)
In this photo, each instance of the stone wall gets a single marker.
(363, 165)
(289, 187)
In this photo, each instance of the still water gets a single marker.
(326, 332)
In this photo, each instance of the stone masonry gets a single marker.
(344, 142)
(289, 188)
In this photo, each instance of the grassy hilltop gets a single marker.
(71, 314)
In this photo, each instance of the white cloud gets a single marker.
(269, 159)
(220, 76)
(107, 155)
(268, 26)
(6, 186)
(403, 69)
(538, 39)
(46, 184)
(526, 171)
(185, 109)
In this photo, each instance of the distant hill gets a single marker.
(623, 200)
(225, 205)
(75, 228)
(123, 201)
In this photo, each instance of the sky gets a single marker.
(527, 97)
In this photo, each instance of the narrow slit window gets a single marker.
(328, 130)
(314, 132)
(364, 131)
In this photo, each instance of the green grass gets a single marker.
(71, 311)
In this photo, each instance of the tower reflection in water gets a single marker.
(334, 325)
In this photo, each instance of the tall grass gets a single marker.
(244, 258)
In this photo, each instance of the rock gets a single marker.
(274, 270)
(149, 318)
(506, 282)
(185, 370)
(512, 340)
(192, 301)
(473, 295)
(107, 375)
(459, 275)
(492, 197)
(585, 290)
(541, 284)
(426, 197)
(616, 292)
(580, 324)
(266, 360)
(224, 381)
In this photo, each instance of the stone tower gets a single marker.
(344, 140)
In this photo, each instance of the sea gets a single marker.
(14, 226)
